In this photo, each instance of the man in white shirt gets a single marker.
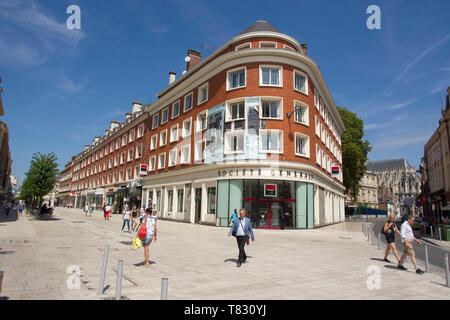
(408, 239)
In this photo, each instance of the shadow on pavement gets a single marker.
(46, 217)
(6, 252)
(142, 263)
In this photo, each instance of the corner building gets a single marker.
(252, 126)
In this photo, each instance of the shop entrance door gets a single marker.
(269, 214)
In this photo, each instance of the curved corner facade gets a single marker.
(252, 126)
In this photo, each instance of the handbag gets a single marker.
(142, 232)
(137, 243)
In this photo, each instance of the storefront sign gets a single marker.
(264, 173)
(335, 172)
(270, 190)
(143, 169)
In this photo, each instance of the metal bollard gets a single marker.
(119, 279)
(447, 271)
(164, 288)
(379, 241)
(102, 277)
(431, 230)
(373, 237)
(427, 266)
(440, 238)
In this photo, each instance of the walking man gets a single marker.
(242, 230)
(408, 239)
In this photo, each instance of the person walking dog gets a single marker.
(242, 230)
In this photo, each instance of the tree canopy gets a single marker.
(40, 178)
(354, 152)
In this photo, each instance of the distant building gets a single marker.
(435, 166)
(368, 192)
(398, 184)
(5, 156)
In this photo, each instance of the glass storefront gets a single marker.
(270, 204)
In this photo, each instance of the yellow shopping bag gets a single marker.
(137, 243)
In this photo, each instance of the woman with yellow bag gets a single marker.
(147, 231)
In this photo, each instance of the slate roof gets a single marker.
(382, 165)
(260, 25)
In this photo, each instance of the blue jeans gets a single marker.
(127, 221)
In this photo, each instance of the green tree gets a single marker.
(354, 152)
(40, 178)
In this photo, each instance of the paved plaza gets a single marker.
(200, 262)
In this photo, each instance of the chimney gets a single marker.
(96, 140)
(127, 115)
(304, 47)
(107, 132)
(114, 124)
(136, 107)
(172, 76)
(86, 146)
(194, 59)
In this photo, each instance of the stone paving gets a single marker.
(200, 262)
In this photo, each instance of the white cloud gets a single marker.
(394, 142)
(30, 37)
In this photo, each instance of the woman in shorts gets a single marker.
(134, 216)
(390, 228)
(148, 222)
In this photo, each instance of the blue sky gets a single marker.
(62, 87)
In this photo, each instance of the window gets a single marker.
(271, 108)
(188, 102)
(267, 44)
(211, 209)
(317, 126)
(165, 115)
(137, 171)
(203, 93)
(301, 113)
(117, 144)
(122, 157)
(186, 131)
(199, 153)
(243, 46)
(132, 134)
(270, 76)
(323, 133)
(288, 48)
(301, 145)
(152, 163)
(186, 154)
(175, 109)
(236, 110)
(138, 151)
(324, 160)
(234, 142)
(322, 109)
(111, 147)
(236, 78)
(129, 174)
(124, 140)
(327, 140)
(180, 197)
(140, 131)
(172, 157)
(300, 82)
(155, 121)
(174, 133)
(170, 200)
(121, 175)
(163, 138)
(318, 154)
(110, 163)
(270, 141)
(202, 121)
(130, 154)
(162, 161)
(153, 141)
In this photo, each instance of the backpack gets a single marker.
(382, 228)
